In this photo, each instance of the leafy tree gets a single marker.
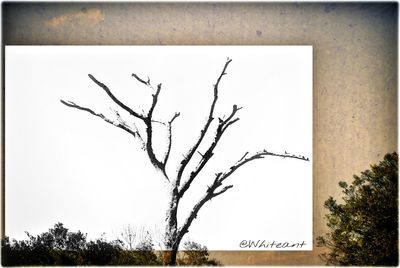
(364, 229)
(55, 247)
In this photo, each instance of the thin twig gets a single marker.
(119, 125)
(147, 83)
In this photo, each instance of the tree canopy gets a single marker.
(364, 228)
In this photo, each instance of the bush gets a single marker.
(364, 229)
(58, 246)
(196, 255)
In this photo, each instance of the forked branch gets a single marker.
(146, 119)
(203, 132)
(222, 126)
(149, 133)
(213, 191)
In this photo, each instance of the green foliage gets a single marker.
(55, 247)
(58, 246)
(196, 255)
(364, 229)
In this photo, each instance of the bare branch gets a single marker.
(149, 147)
(258, 155)
(174, 117)
(108, 91)
(189, 155)
(245, 156)
(219, 178)
(147, 83)
(155, 98)
(235, 108)
(149, 131)
(159, 122)
(222, 126)
(193, 214)
(148, 120)
(223, 190)
(121, 124)
(169, 138)
(135, 129)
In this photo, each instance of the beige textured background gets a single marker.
(355, 70)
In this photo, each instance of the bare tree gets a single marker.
(134, 238)
(177, 186)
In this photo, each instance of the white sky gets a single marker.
(69, 166)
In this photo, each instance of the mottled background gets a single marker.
(355, 70)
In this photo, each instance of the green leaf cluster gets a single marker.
(364, 227)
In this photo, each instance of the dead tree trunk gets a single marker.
(171, 227)
(174, 232)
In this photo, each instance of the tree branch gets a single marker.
(169, 138)
(190, 153)
(149, 131)
(222, 126)
(147, 83)
(223, 190)
(134, 125)
(259, 155)
(154, 103)
(193, 214)
(219, 178)
(109, 93)
(235, 108)
(148, 120)
(158, 121)
(120, 124)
